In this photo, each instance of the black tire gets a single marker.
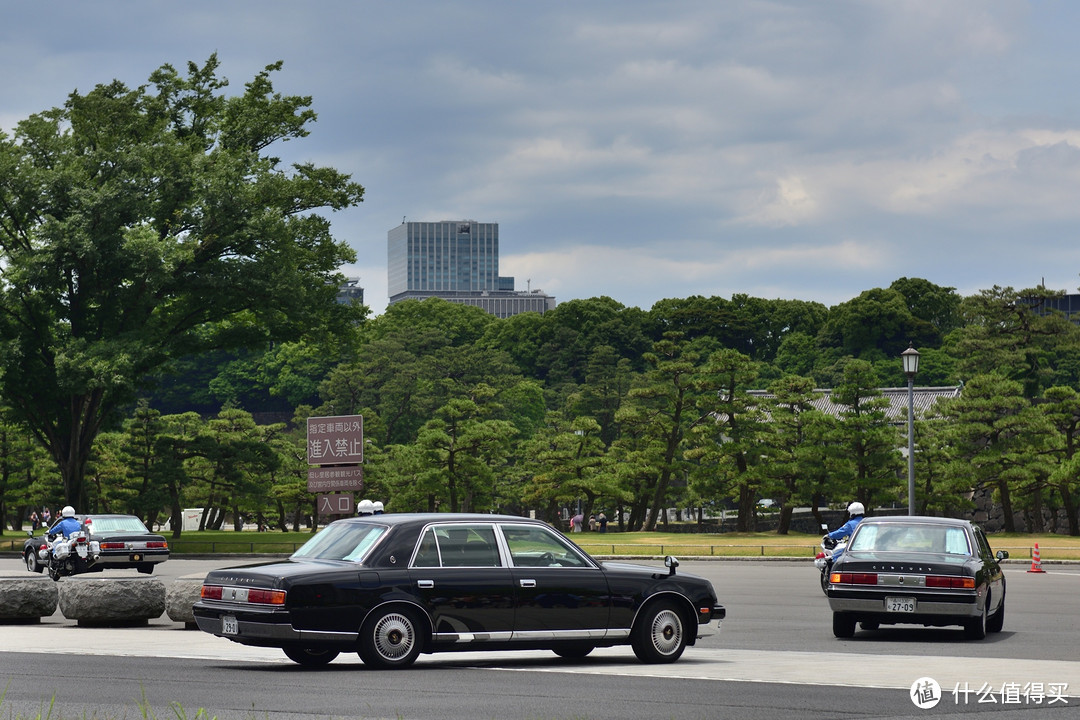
(995, 622)
(825, 581)
(869, 625)
(32, 562)
(146, 568)
(843, 625)
(975, 628)
(310, 657)
(659, 634)
(575, 651)
(390, 639)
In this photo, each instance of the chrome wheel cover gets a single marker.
(666, 632)
(394, 636)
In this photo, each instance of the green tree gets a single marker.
(793, 463)
(725, 445)
(1061, 406)
(656, 417)
(869, 442)
(142, 225)
(997, 435)
(465, 453)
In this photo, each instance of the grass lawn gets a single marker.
(1019, 545)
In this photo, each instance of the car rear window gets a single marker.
(341, 541)
(911, 538)
(117, 525)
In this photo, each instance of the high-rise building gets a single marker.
(458, 261)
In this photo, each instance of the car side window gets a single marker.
(458, 546)
(532, 546)
(984, 545)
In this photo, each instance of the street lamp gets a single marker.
(911, 366)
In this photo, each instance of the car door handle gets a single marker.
(526, 582)
(425, 584)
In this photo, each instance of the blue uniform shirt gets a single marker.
(67, 526)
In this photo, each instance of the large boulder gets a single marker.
(101, 601)
(26, 599)
(181, 596)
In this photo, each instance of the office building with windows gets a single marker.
(458, 261)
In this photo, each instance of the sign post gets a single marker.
(336, 445)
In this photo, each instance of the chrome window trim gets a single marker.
(559, 538)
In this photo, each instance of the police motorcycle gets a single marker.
(69, 556)
(824, 559)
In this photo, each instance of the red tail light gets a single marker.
(155, 545)
(267, 597)
(112, 546)
(81, 539)
(947, 581)
(211, 592)
(853, 578)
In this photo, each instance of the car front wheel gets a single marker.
(995, 622)
(390, 639)
(573, 651)
(32, 563)
(659, 635)
(310, 657)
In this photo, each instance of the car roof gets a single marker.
(924, 519)
(398, 519)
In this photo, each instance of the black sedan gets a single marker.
(123, 540)
(918, 570)
(393, 586)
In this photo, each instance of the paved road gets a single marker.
(774, 652)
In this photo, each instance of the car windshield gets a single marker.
(116, 525)
(910, 538)
(341, 541)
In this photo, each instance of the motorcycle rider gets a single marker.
(855, 515)
(67, 524)
(64, 528)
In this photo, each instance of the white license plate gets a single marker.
(900, 604)
(229, 626)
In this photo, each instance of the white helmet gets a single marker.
(856, 508)
(377, 506)
(68, 511)
(365, 507)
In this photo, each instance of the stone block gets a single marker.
(182, 594)
(26, 599)
(111, 601)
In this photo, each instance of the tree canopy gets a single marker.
(139, 226)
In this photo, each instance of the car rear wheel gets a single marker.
(146, 568)
(390, 639)
(310, 657)
(32, 563)
(975, 628)
(843, 625)
(659, 635)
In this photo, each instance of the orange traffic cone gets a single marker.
(1036, 561)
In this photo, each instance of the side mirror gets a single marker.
(825, 527)
(1002, 555)
(29, 533)
(671, 563)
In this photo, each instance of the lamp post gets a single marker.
(911, 366)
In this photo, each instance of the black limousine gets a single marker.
(390, 587)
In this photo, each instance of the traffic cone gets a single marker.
(1036, 561)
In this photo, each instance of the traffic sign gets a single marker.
(335, 477)
(337, 440)
(341, 504)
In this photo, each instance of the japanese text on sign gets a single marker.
(335, 440)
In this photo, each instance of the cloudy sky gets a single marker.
(647, 150)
